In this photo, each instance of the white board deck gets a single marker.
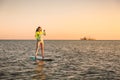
(40, 58)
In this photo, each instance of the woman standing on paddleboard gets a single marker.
(40, 42)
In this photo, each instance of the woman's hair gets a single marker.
(38, 28)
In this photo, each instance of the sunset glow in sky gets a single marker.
(62, 19)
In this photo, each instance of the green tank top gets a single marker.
(38, 35)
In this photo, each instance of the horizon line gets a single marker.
(66, 39)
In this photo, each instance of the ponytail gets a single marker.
(37, 29)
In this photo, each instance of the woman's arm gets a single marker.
(44, 33)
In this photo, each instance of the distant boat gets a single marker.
(85, 38)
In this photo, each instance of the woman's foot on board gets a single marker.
(42, 57)
(36, 57)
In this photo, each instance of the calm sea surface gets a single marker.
(72, 60)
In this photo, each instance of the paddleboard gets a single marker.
(40, 58)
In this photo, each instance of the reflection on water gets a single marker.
(39, 71)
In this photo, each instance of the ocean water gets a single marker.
(72, 60)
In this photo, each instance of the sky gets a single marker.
(62, 19)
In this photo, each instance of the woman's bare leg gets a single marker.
(37, 47)
(42, 49)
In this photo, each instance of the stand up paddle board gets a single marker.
(40, 58)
